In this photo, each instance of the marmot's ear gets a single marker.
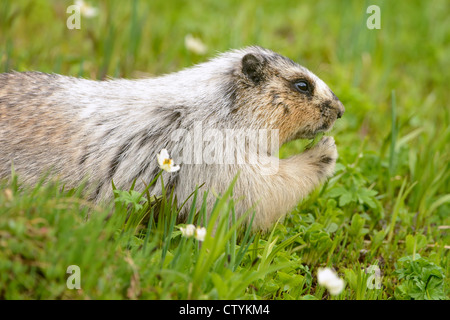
(252, 67)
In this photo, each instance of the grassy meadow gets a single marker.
(382, 222)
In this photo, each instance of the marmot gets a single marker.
(112, 130)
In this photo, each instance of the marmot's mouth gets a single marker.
(311, 134)
(305, 135)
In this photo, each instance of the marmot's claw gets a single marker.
(325, 155)
(327, 141)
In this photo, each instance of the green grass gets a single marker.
(387, 206)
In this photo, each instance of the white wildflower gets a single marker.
(165, 162)
(188, 231)
(200, 233)
(195, 45)
(330, 280)
(86, 10)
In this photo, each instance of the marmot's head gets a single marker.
(271, 91)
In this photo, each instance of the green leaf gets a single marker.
(378, 238)
(415, 243)
(345, 199)
(357, 226)
(419, 278)
(308, 297)
(219, 284)
(336, 192)
(367, 196)
(331, 228)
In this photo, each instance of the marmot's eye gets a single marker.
(302, 86)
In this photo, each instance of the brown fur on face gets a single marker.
(275, 103)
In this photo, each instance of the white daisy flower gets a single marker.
(188, 231)
(165, 162)
(200, 233)
(195, 45)
(86, 10)
(330, 280)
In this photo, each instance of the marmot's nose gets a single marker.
(337, 104)
(340, 108)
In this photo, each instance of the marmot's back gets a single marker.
(33, 124)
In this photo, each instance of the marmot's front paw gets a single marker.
(323, 156)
